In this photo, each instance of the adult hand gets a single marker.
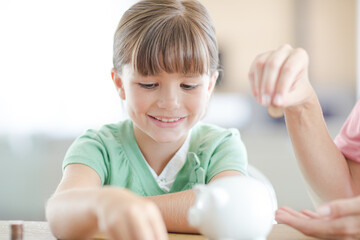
(280, 77)
(123, 215)
(339, 219)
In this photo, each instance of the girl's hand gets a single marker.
(339, 219)
(280, 77)
(123, 215)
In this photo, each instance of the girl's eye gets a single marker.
(188, 86)
(148, 85)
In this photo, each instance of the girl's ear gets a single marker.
(212, 83)
(118, 83)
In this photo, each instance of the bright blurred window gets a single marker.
(55, 63)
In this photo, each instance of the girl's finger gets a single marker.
(139, 220)
(120, 231)
(157, 223)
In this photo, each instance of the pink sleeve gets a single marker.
(348, 139)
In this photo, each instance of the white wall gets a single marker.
(55, 60)
(55, 82)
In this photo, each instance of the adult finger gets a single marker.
(271, 72)
(310, 213)
(341, 207)
(294, 212)
(347, 227)
(256, 72)
(295, 65)
(252, 82)
(310, 227)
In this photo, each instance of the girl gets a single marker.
(127, 178)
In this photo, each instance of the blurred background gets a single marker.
(55, 62)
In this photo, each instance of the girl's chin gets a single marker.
(168, 139)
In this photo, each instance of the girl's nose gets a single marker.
(169, 99)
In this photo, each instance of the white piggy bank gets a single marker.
(232, 208)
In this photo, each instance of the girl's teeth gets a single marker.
(167, 119)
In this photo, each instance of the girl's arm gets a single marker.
(280, 78)
(80, 207)
(174, 206)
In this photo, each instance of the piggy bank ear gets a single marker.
(219, 197)
(199, 189)
(196, 212)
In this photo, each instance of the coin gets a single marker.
(275, 112)
(16, 230)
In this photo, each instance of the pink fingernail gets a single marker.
(278, 100)
(266, 99)
(324, 210)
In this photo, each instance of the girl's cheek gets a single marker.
(199, 102)
(140, 102)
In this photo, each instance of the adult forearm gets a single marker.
(174, 208)
(323, 165)
(71, 213)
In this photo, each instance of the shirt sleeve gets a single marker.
(89, 150)
(348, 139)
(230, 154)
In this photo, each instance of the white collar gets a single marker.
(167, 177)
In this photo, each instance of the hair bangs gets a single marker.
(173, 46)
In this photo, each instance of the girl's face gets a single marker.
(164, 107)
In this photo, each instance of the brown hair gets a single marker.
(166, 35)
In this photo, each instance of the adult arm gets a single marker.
(280, 78)
(323, 165)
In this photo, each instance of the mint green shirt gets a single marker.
(114, 154)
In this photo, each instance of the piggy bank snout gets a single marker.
(196, 211)
(194, 216)
(207, 201)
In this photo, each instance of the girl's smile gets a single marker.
(167, 122)
(164, 107)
